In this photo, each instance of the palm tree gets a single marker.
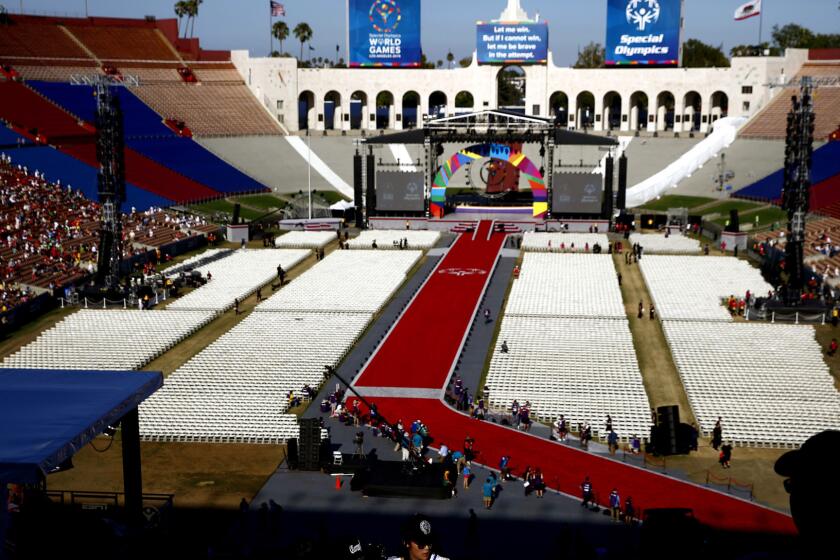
(181, 9)
(303, 33)
(449, 58)
(280, 31)
(192, 12)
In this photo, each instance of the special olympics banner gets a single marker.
(512, 43)
(643, 32)
(384, 33)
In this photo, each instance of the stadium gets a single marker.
(265, 307)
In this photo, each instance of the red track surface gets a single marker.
(428, 336)
(419, 353)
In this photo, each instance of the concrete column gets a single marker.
(599, 110)
(573, 112)
(318, 105)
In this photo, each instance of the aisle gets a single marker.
(406, 376)
(420, 350)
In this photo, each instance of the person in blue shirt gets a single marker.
(489, 490)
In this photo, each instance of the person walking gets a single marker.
(615, 505)
(641, 309)
(612, 442)
(488, 490)
(539, 483)
(466, 472)
(652, 312)
(717, 434)
(725, 455)
(236, 306)
(629, 510)
(586, 490)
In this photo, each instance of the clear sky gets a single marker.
(447, 24)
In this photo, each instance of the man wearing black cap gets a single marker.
(418, 540)
(811, 481)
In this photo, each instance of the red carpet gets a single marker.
(421, 348)
(419, 354)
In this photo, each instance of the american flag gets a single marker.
(277, 9)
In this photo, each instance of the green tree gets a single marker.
(792, 36)
(450, 58)
(425, 62)
(303, 33)
(754, 50)
(465, 62)
(280, 31)
(181, 9)
(440, 64)
(592, 56)
(697, 54)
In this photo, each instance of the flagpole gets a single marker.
(760, 25)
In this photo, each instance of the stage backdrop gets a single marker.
(400, 192)
(383, 33)
(644, 32)
(576, 193)
(512, 43)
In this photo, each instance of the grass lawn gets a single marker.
(330, 196)
(676, 201)
(226, 207)
(264, 202)
(724, 207)
(766, 217)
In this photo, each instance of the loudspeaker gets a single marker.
(667, 421)
(292, 453)
(310, 444)
(734, 221)
(236, 209)
(371, 185)
(609, 175)
(358, 190)
(621, 199)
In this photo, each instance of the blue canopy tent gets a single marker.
(49, 415)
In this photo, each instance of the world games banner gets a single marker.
(643, 32)
(384, 33)
(512, 43)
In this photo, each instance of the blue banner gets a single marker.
(384, 33)
(512, 43)
(643, 32)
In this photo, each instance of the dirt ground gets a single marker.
(750, 466)
(215, 476)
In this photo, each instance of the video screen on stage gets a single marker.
(643, 32)
(512, 43)
(399, 192)
(577, 193)
(383, 33)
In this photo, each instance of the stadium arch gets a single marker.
(307, 110)
(613, 111)
(558, 105)
(410, 109)
(332, 111)
(385, 117)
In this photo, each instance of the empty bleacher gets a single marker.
(304, 240)
(24, 38)
(108, 339)
(118, 42)
(693, 288)
(769, 382)
(237, 276)
(570, 350)
(236, 389)
(657, 243)
(374, 276)
(771, 122)
(210, 109)
(825, 165)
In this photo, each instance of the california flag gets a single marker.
(748, 10)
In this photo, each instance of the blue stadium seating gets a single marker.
(59, 166)
(140, 120)
(146, 134)
(825, 165)
(192, 160)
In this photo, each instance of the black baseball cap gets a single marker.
(813, 454)
(419, 530)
